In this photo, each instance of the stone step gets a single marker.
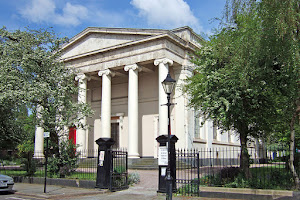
(150, 167)
(143, 163)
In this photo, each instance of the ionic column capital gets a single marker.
(164, 61)
(133, 67)
(82, 76)
(106, 72)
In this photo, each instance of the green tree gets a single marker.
(25, 152)
(64, 162)
(15, 125)
(247, 75)
(32, 74)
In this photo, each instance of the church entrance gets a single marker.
(72, 134)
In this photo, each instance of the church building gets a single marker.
(121, 70)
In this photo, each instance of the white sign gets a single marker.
(163, 155)
(101, 158)
(102, 153)
(46, 134)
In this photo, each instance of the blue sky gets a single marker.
(69, 17)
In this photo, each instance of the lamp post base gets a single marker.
(169, 187)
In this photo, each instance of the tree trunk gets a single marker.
(291, 161)
(292, 148)
(244, 157)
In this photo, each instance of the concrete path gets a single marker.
(148, 179)
(25, 191)
(144, 190)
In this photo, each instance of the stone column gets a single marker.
(133, 113)
(106, 102)
(82, 96)
(39, 135)
(163, 69)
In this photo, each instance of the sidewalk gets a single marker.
(53, 191)
(145, 189)
(62, 193)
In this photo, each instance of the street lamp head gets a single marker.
(168, 84)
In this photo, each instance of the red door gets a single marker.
(72, 134)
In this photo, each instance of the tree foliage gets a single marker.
(64, 162)
(15, 125)
(32, 74)
(248, 72)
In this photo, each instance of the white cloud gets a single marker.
(166, 13)
(40, 11)
(72, 14)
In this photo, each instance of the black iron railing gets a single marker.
(82, 165)
(220, 167)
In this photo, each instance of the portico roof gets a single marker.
(97, 47)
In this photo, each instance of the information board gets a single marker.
(163, 156)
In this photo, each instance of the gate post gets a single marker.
(162, 140)
(104, 162)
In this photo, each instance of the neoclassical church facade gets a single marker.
(120, 77)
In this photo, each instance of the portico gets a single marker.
(121, 71)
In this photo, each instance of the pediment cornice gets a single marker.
(119, 31)
(169, 35)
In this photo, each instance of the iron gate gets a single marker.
(119, 170)
(187, 172)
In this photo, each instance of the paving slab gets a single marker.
(53, 191)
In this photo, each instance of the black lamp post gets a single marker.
(168, 85)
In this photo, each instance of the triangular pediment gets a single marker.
(93, 39)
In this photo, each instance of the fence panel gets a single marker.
(84, 166)
(220, 167)
(119, 170)
(187, 172)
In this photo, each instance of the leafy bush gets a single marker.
(64, 162)
(210, 180)
(191, 188)
(229, 173)
(133, 178)
(271, 179)
(262, 178)
(25, 152)
(119, 169)
(119, 179)
(239, 182)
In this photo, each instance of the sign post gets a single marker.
(46, 135)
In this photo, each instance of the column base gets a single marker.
(38, 155)
(133, 156)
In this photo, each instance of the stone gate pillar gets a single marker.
(104, 162)
(163, 140)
